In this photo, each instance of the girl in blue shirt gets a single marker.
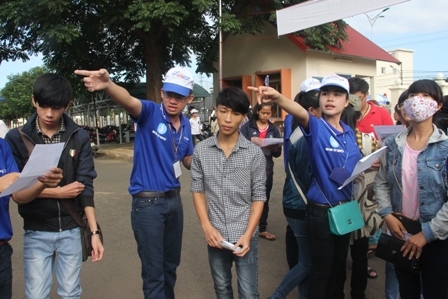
(333, 152)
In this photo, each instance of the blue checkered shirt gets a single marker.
(230, 184)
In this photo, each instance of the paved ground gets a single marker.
(118, 275)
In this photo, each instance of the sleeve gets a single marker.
(148, 108)
(8, 158)
(381, 186)
(277, 134)
(85, 172)
(245, 130)
(258, 174)
(197, 174)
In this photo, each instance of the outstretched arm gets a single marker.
(99, 80)
(269, 94)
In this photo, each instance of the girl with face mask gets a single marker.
(412, 181)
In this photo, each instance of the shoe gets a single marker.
(267, 236)
(371, 273)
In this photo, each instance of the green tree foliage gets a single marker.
(17, 94)
(133, 38)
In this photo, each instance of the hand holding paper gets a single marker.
(43, 158)
(363, 164)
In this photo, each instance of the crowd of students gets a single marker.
(328, 130)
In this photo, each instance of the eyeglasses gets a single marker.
(172, 95)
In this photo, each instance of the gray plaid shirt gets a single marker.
(230, 185)
(56, 138)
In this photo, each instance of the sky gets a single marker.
(418, 25)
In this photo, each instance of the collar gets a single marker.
(61, 127)
(242, 142)
(436, 136)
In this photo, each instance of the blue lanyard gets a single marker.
(344, 146)
(170, 126)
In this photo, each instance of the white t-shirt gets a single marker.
(195, 126)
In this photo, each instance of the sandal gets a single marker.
(371, 250)
(267, 236)
(371, 273)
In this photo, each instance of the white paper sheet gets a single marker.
(271, 141)
(364, 164)
(43, 157)
(382, 132)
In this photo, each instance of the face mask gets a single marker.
(420, 108)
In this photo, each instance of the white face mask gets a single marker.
(420, 108)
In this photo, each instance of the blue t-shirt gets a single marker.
(328, 149)
(7, 165)
(157, 146)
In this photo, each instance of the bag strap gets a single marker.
(28, 144)
(297, 185)
(71, 209)
(67, 205)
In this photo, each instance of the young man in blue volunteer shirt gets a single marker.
(228, 180)
(162, 142)
(8, 174)
(52, 239)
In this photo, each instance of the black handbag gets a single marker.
(388, 249)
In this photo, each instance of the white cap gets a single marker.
(193, 111)
(335, 80)
(178, 80)
(310, 84)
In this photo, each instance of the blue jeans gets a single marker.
(5, 271)
(297, 276)
(45, 251)
(221, 261)
(158, 224)
(391, 285)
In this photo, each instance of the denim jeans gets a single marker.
(264, 215)
(5, 271)
(45, 251)
(432, 281)
(328, 253)
(391, 284)
(221, 261)
(297, 276)
(158, 224)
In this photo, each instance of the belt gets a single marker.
(4, 242)
(146, 194)
(325, 206)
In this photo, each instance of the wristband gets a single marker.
(96, 232)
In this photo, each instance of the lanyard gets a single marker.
(344, 138)
(170, 126)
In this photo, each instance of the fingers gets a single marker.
(82, 72)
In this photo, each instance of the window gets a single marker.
(383, 70)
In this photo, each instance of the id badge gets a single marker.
(339, 175)
(177, 169)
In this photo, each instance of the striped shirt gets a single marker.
(230, 184)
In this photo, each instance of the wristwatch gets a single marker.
(95, 232)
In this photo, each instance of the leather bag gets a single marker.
(389, 249)
(345, 218)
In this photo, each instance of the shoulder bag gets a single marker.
(344, 218)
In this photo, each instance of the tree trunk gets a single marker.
(153, 58)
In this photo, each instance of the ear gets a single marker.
(33, 102)
(68, 106)
(190, 98)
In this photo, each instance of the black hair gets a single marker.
(306, 100)
(233, 98)
(349, 116)
(403, 96)
(358, 85)
(51, 90)
(258, 107)
(427, 86)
